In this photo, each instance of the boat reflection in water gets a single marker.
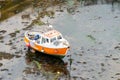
(50, 67)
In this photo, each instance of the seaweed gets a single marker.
(12, 34)
(4, 55)
(1, 64)
(1, 37)
(91, 38)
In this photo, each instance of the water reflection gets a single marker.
(50, 67)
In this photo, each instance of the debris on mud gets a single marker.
(45, 64)
(102, 64)
(17, 56)
(1, 41)
(38, 22)
(46, 13)
(1, 37)
(117, 47)
(82, 78)
(9, 73)
(6, 56)
(2, 32)
(29, 71)
(4, 70)
(115, 58)
(1, 64)
(108, 56)
(13, 34)
(17, 31)
(71, 61)
(117, 74)
(81, 62)
(116, 17)
(13, 47)
(1, 78)
(10, 43)
(91, 37)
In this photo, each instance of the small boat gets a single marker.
(50, 42)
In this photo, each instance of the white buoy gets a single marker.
(50, 26)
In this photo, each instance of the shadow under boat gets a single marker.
(51, 67)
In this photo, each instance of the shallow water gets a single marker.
(93, 32)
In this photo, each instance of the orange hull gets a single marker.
(50, 51)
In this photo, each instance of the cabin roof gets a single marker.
(52, 33)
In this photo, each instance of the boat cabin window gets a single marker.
(44, 40)
(59, 37)
(53, 39)
(47, 40)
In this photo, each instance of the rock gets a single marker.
(4, 70)
(117, 74)
(115, 58)
(81, 78)
(117, 47)
(5, 55)
(116, 17)
(84, 62)
(1, 64)
(102, 64)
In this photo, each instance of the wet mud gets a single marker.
(46, 65)
(93, 36)
(5, 56)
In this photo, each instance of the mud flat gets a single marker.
(93, 32)
(13, 50)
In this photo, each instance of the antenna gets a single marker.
(50, 26)
(47, 22)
